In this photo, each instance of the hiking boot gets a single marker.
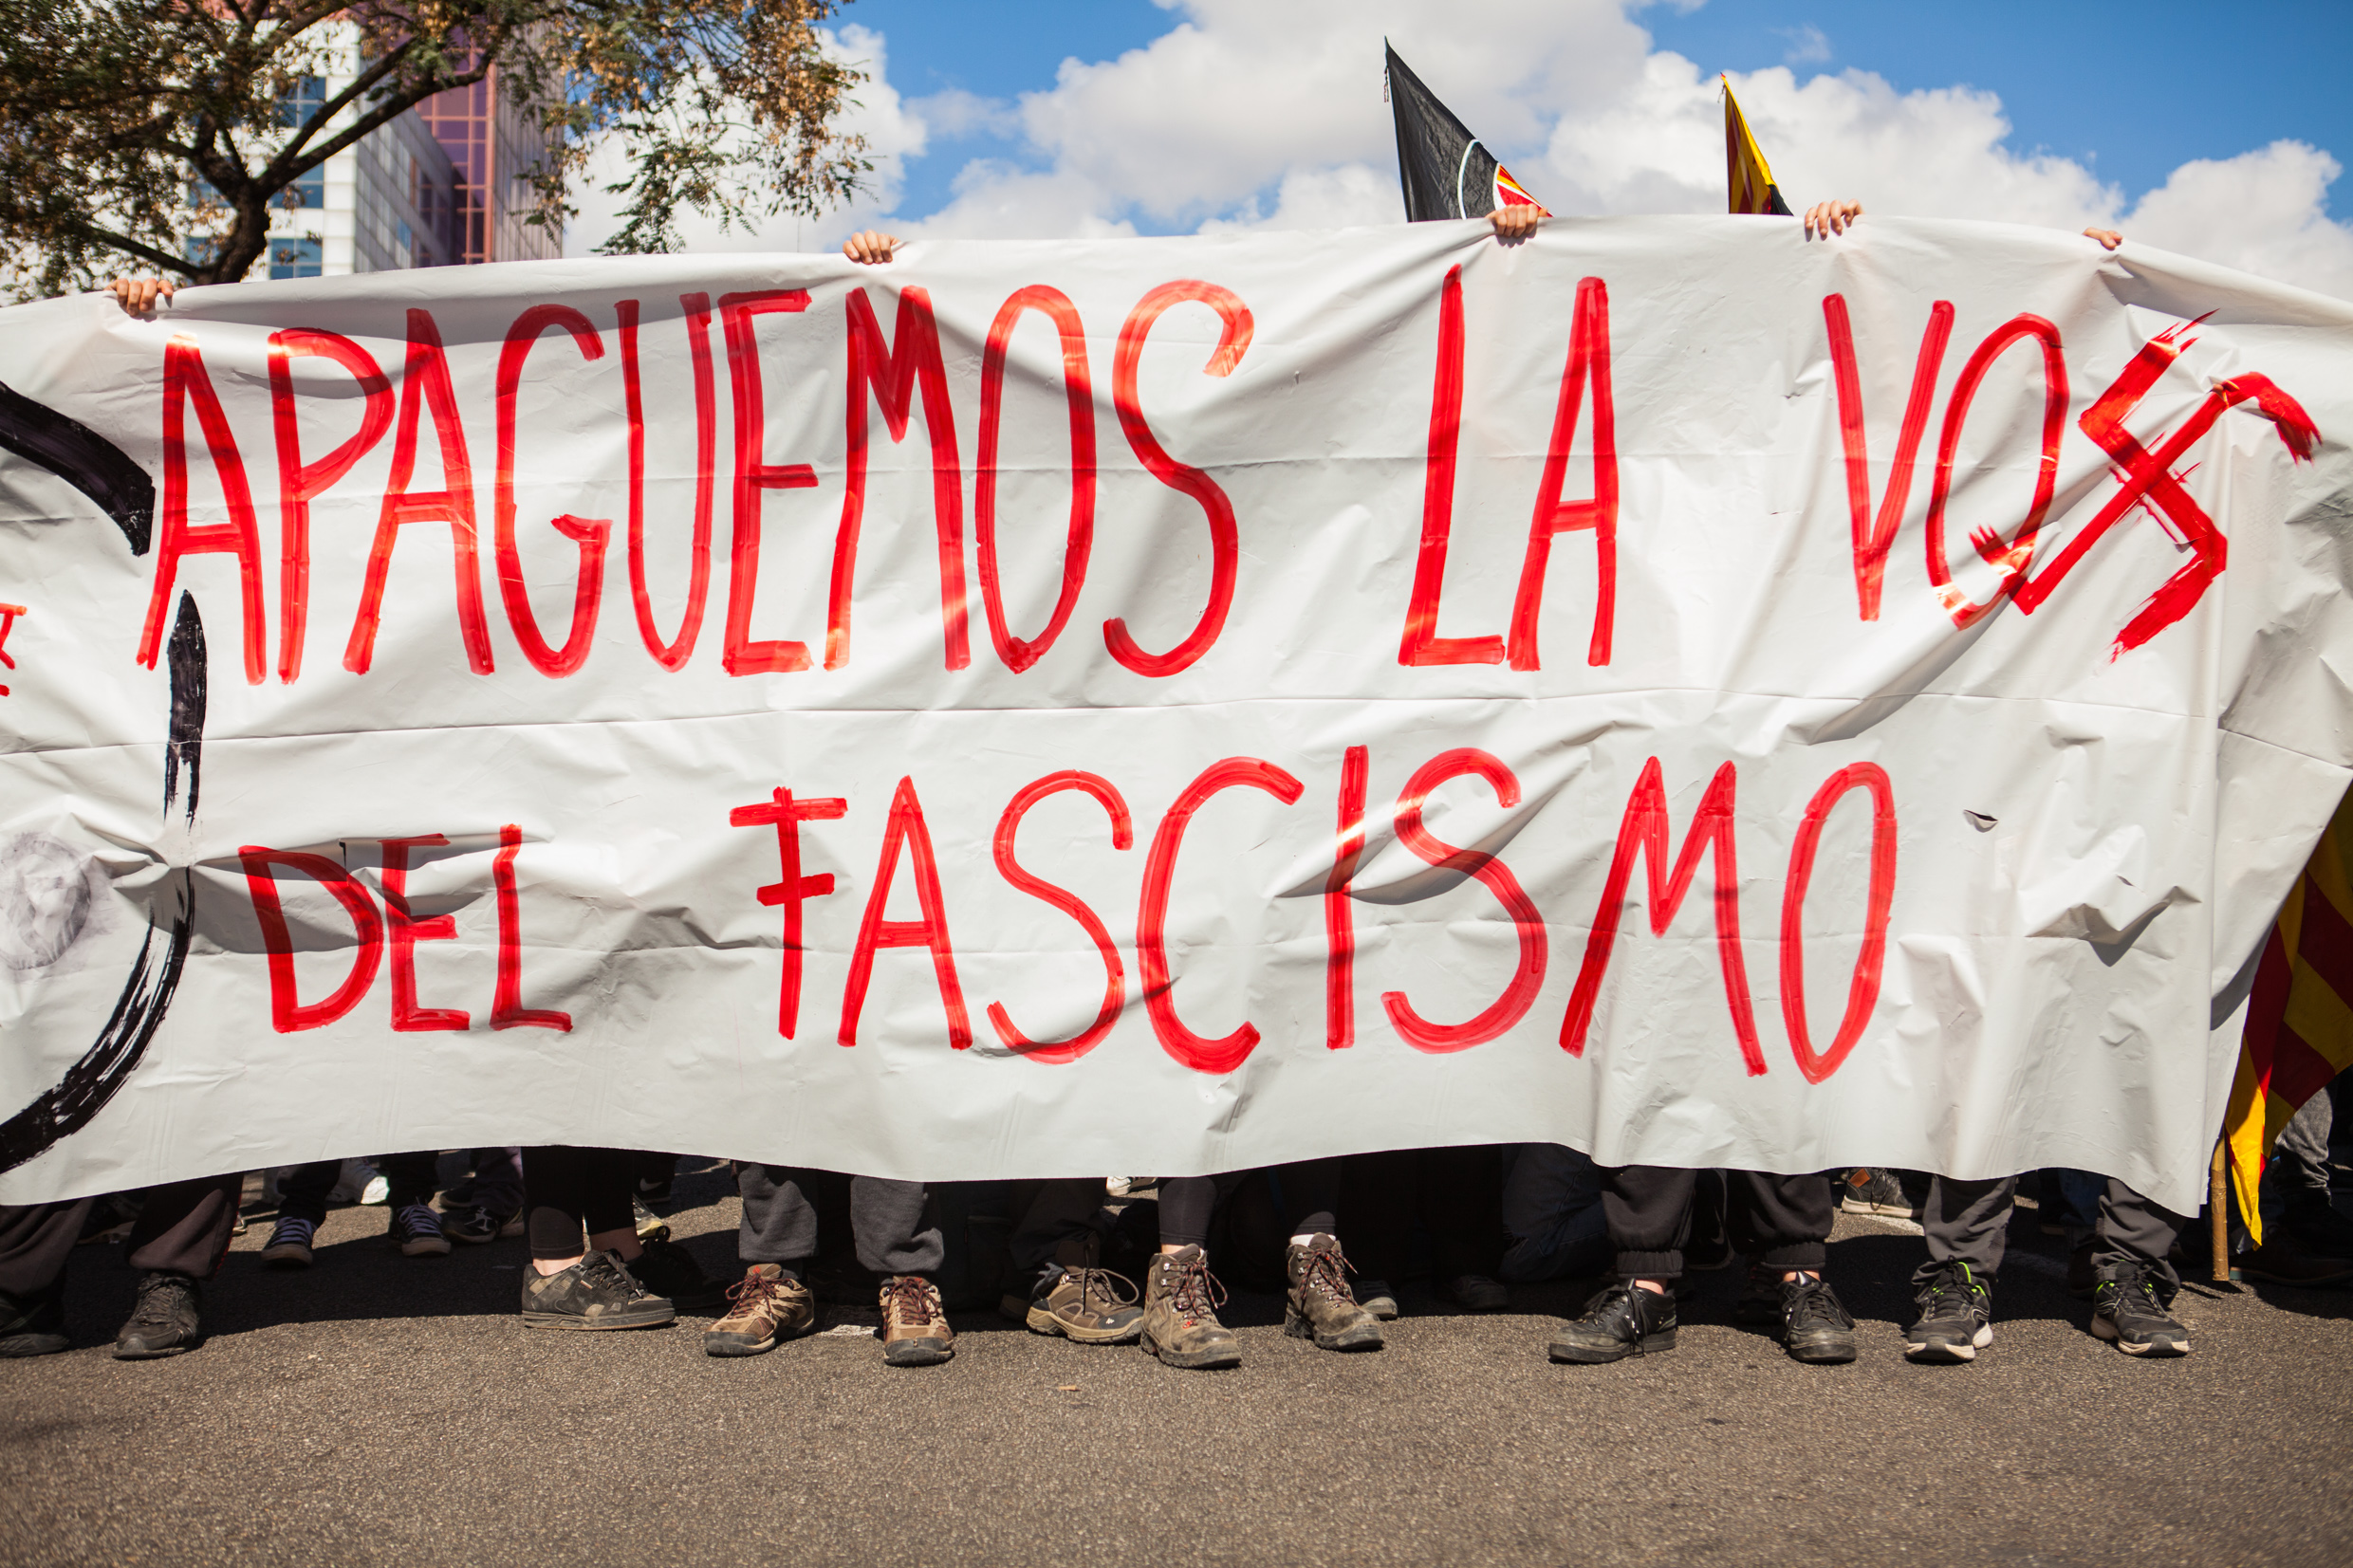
(915, 1325)
(1760, 1295)
(164, 1322)
(668, 1270)
(417, 1230)
(1181, 1325)
(2124, 1308)
(1320, 1306)
(2280, 1262)
(595, 1293)
(769, 1307)
(1476, 1292)
(1623, 1320)
(290, 1242)
(1870, 1190)
(1091, 1305)
(1378, 1298)
(474, 1225)
(33, 1325)
(1815, 1326)
(1957, 1317)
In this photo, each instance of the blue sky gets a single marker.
(2221, 131)
(2130, 91)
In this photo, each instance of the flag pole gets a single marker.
(2217, 1199)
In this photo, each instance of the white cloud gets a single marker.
(1248, 114)
(1807, 46)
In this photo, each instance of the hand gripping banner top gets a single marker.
(1667, 688)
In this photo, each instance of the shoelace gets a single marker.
(1327, 1275)
(754, 1292)
(291, 1230)
(1106, 1286)
(1813, 1301)
(1193, 1292)
(910, 1298)
(604, 1267)
(156, 1303)
(420, 1220)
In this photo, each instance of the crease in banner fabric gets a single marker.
(1669, 688)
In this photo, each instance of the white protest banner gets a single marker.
(1668, 687)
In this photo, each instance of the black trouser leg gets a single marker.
(498, 1180)
(1965, 1222)
(1648, 1211)
(412, 1177)
(1784, 1222)
(573, 1191)
(2136, 1232)
(1065, 1209)
(1462, 1209)
(779, 1218)
(302, 1195)
(185, 1227)
(35, 1241)
(892, 1224)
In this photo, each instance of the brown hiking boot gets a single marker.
(1180, 1323)
(915, 1325)
(1082, 1302)
(1320, 1306)
(768, 1310)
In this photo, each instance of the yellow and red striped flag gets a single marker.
(2300, 1015)
(1747, 179)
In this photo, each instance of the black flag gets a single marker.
(1447, 173)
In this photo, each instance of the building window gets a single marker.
(294, 258)
(300, 101)
(309, 192)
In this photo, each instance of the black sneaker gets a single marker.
(596, 1292)
(651, 1226)
(1622, 1320)
(417, 1232)
(291, 1243)
(670, 1272)
(473, 1224)
(32, 1325)
(1760, 1295)
(1874, 1190)
(1957, 1318)
(164, 1322)
(2127, 1310)
(1815, 1326)
(1378, 1298)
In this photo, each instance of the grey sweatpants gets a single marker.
(890, 1221)
(1969, 1221)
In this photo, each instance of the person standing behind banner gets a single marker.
(1966, 1225)
(179, 1241)
(1782, 1221)
(1319, 1303)
(617, 1281)
(896, 1238)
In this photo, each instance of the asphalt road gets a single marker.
(383, 1409)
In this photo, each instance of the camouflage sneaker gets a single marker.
(595, 1293)
(1179, 1324)
(768, 1309)
(1320, 1306)
(915, 1325)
